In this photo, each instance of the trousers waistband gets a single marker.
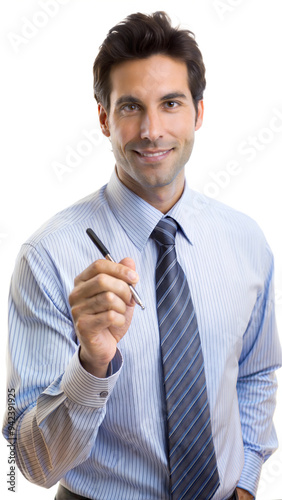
(234, 496)
(64, 494)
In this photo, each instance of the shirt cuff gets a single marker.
(85, 389)
(249, 479)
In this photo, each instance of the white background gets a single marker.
(47, 106)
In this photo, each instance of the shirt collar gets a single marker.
(138, 218)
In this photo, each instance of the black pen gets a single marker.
(105, 252)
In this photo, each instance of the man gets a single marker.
(89, 367)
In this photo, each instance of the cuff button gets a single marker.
(104, 394)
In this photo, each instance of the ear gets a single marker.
(200, 116)
(103, 119)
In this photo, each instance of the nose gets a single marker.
(151, 126)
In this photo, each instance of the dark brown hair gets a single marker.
(139, 36)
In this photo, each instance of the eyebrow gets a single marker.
(174, 95)
(125, 99)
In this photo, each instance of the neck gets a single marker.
(163, 198)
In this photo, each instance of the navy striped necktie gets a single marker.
(192, 461)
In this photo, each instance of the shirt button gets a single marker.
(104, 394)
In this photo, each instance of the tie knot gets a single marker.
(165, 231)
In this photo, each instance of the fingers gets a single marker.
(101, 293)
(117, 270)
(102, 302)
(102, 308)
(86, 324)
(104, 282)
(103, 287)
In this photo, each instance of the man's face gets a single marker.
(151, 125)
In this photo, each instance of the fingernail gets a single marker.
(132, 275)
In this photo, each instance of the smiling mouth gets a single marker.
(147, 154)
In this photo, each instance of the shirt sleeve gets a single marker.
(257, 385)
(59, 406)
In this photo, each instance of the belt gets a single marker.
(64, 494)
(234, 496)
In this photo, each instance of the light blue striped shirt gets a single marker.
(112, 446)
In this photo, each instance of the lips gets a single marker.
(153, 154)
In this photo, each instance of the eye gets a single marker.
(129, 107)
(171, 104)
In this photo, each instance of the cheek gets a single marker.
(185, 132)
(182, 127)
(124, 134)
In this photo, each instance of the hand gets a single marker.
(244, 494)
(102, 308)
